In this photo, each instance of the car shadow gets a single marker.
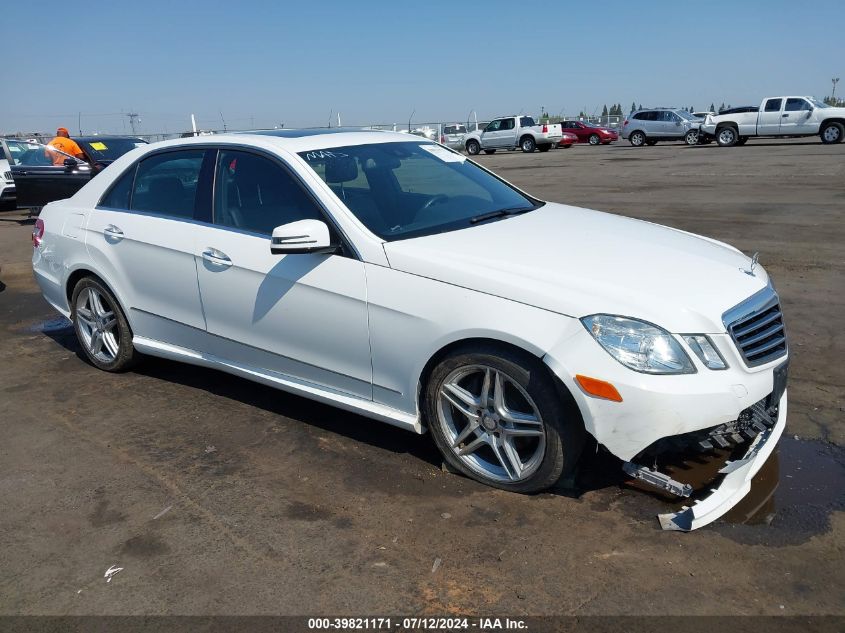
(287, 405)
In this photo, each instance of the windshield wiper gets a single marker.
(500, 213)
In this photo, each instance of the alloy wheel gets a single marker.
(97, 324)
(831, 134)
(727, 136)
(491, 423)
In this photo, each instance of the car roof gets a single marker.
(298, 140)
(102, 137)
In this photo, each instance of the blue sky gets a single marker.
(265, 63)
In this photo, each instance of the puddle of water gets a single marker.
(51, 325)
(791, 497)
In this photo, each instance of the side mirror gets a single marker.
(303, 236)
(70, 162)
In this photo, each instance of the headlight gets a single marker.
(639, 345)
(705, 350)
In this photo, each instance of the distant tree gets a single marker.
(604, 110)
(691, 109)
(619, 109)
(640, 107)
(633, 106)
(712, 108)
(722, 107)
(582, 115)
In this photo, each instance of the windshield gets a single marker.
(817, 103)
(409, 189)
(109, 148)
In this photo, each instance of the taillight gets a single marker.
(545, 129)
(443, 139)
(625, 122)
(38, 232)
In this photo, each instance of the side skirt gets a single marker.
(347, 402)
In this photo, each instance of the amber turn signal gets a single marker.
(598, 388)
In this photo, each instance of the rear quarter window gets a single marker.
(117, 197)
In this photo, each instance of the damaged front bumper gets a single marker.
(734, 479)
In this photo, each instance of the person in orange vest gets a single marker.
(65, 144)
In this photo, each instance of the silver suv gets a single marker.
(647, 127)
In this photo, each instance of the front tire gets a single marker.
(101, 327)
(637, 139)
(528, 144)
(727, 136)
(832, 133)
(497, 417)
(473, 147)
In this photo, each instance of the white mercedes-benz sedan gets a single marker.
(395, 278)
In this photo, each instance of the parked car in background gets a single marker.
(453, 134)
(102, 151)
(7, 183)
(567, 139)
(648, 127)
(778, 117)
(589, 133)
(513, 132)
(392, 277)
(39, 181)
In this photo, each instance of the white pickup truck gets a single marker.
(777, 117)
(513, 132)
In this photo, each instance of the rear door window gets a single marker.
(166, 183)
(526, 121)
(507, 124)
(121, 191)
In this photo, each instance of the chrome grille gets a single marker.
(7, 175)
(756, 326)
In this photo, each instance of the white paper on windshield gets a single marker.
(443, 154)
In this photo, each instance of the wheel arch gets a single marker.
(522, 348)
(525, 136)
(839, 120)
(81, 272)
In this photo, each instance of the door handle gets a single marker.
(113, 231)
(784, 115)
(218, 258)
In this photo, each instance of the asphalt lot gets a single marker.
(218, 496)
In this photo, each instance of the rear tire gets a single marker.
(637, 139)
(832, 133)
(473, 147)
(520, 453)
(527, 144)
(101, 327)
(691, 137)
(594, 139)
(727, 136)
(489, 151)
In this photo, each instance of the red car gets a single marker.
(567, 140)
(589, 133)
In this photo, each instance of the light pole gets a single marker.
(835, 81)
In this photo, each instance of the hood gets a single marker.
(579, 262)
